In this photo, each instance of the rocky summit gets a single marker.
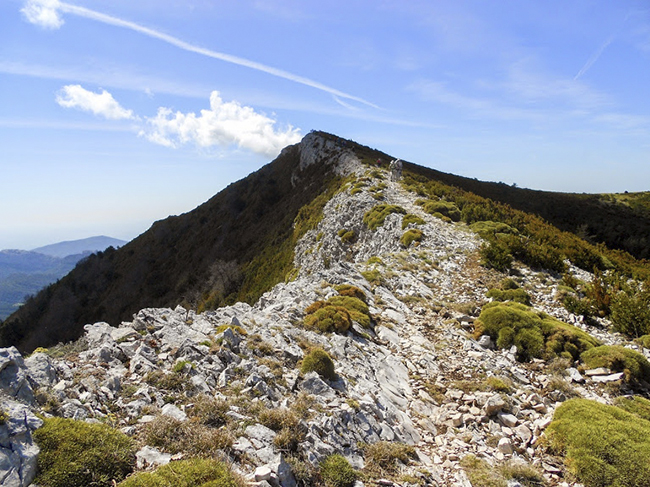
(373, 364)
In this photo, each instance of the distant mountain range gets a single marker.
(25, 272)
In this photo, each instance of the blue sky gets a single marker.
(115, 113)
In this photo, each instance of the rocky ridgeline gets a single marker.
(415, 376)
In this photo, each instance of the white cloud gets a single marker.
(103, 104)
(225, 123)
(44, 13)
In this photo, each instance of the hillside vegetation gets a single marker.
(240, 243)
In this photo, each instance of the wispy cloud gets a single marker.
(44, 13)
(48, 8)
(594, 57)
(224, 124)
(102, 104)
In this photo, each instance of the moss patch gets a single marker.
(318, 360)
(336, 471)
(535, 334)
(410, 236)
(375, 218)
(410, 218)
(444, 208)
(603, 445)
(76, 453)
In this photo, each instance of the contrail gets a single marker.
(108, 19)
(594, 57)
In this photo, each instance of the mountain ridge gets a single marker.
(380, 360)
(240, 243)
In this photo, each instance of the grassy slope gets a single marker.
(619, 221)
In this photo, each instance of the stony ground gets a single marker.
(415, 377)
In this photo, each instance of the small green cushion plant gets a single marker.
(336, 471)
(319, 361)
(195, 472)
(534, 334)
(79, 454)
(604, 446)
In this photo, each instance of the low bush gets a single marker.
(337, 313)
(619, 359)
(347, 236)
(352, 291)
(79, 454)
(410, 236)
(410, 218)
(535, 334)
(604, 446)
(319, 361)
(358, 310)
(375, 217)
(489, 229)
(326, 318)
(445, 208)
(516, 295)
(187, 473)
(495, 255)
(630, 311)
(336, 471)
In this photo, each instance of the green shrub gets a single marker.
(327, 318)
(508, 284)
(336, 471)
(516, 295)
(347, 236)
(535, 334)
(374, 277)
(187, 473)
(635, 405)
(350, 290)
(604, 446)
(495, 255)
(410, 236)
(630, 311)
(488, 229)
(319, 361)
(410, 218)
(337, 313)
(76, 453)
(444, 208)
(619, 359)
(375, 217)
